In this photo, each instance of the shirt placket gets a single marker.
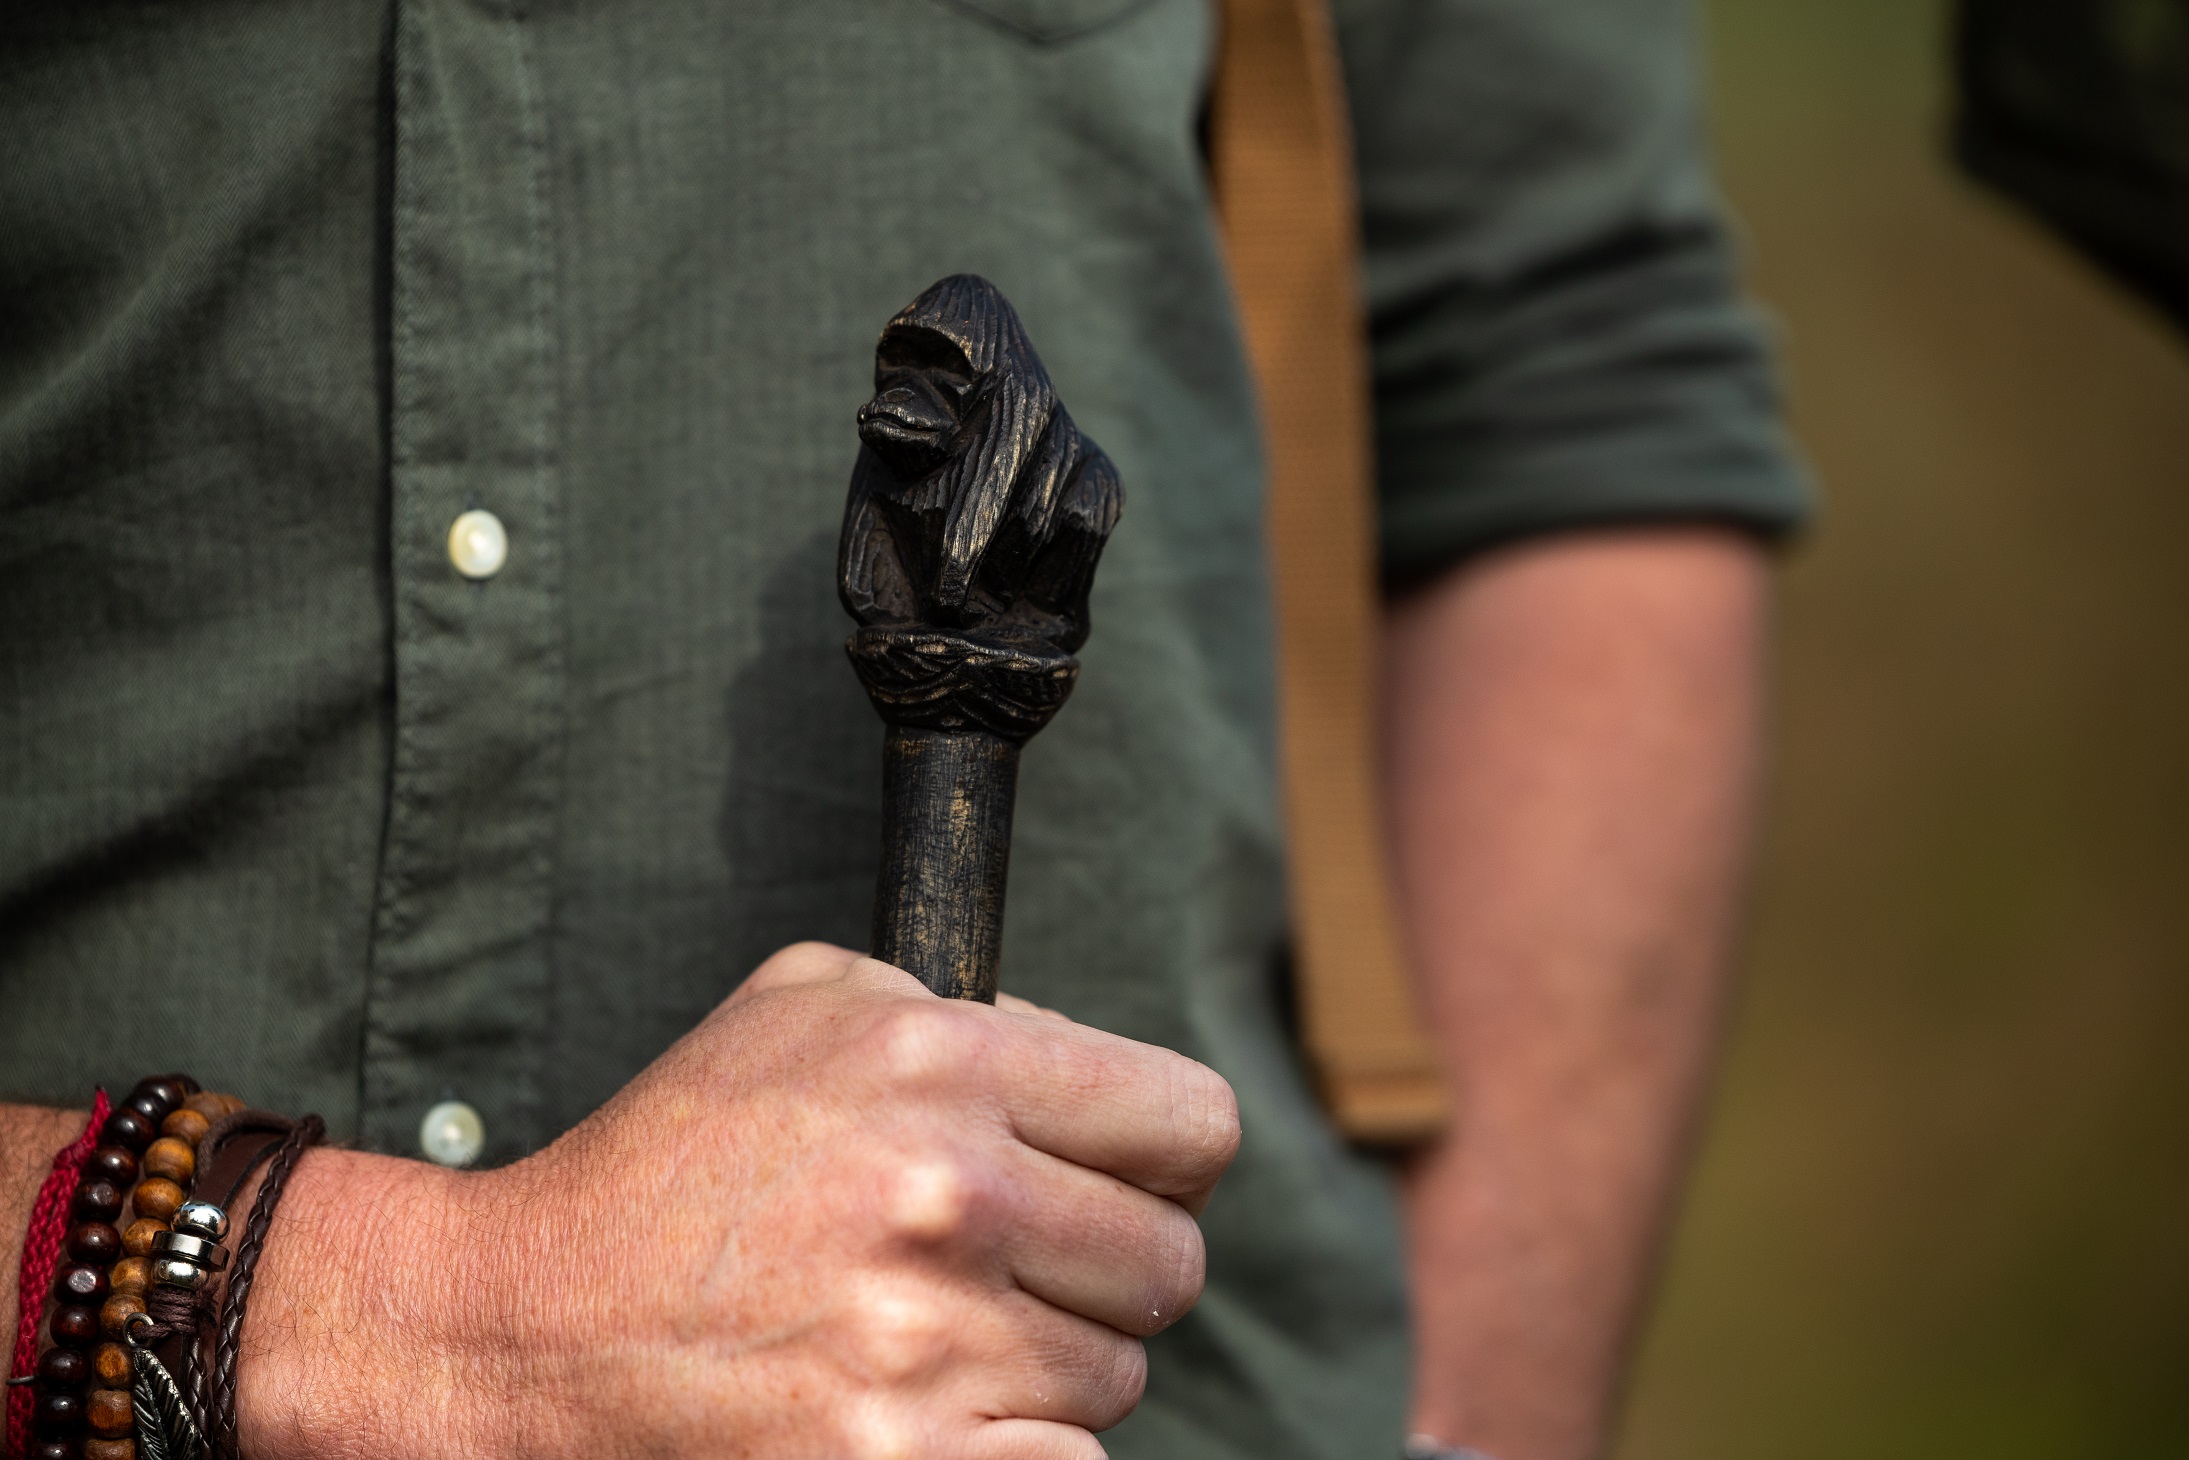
(459, 981)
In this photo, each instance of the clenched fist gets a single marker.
(841, 1218)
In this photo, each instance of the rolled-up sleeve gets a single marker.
(1559, 336)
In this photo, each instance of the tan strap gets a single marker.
(1282, 162)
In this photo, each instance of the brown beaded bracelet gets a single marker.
(83, 1286)
(145, 1164)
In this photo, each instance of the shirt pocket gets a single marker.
(1050, 21)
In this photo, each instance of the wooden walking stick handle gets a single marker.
(976, 515)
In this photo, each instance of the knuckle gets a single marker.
(1081, 1445)
(921, 1041)
(900, 1336)
(929, 1199)
(1171, 1266)
(798, 963)
(1182, 1272)
(876, 1429)
(1207, 1117)
(1119, 1381)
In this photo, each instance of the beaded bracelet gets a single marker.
(145, 1163)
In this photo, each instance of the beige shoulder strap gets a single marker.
(1281, 156)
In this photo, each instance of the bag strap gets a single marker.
(1282, 169)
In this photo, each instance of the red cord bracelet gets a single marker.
(42, 1245)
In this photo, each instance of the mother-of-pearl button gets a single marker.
(452, 1134)
(477, 544)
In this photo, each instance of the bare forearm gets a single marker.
(1574, 733)
(29, 1135)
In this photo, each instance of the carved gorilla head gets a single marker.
(976, 505)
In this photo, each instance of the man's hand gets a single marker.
(840, 1218)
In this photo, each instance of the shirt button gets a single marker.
(477, 544)
(452, 1134)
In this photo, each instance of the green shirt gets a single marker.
(284, 289)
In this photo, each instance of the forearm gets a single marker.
(29, 1135)
(1573, 747)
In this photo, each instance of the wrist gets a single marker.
(28, 1138)
(372, 1329)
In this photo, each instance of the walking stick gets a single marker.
(976, 515)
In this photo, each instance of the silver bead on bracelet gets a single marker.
(187, 1255)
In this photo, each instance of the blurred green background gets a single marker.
(1942, 1208)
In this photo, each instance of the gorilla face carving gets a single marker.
(976, 507)
(921, 379)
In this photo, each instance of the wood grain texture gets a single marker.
(946, 849)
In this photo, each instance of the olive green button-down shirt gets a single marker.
(289, 801)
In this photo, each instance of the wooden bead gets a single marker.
(115, 1312)
(80, 1282)
(131, 1274)
(74, 1325)
(58, 1414)
(164, 1089)
(157, 1198)
(212, 1105)
(98, 1201)
(112, 1366)
(64, 1368)
(186, 1125)
(111, 1415)
(96, 1449)
(149, 1107)
(137, 1239)
(171, 1159)
(112, 1163)
(129, 1129)
(94, 1242)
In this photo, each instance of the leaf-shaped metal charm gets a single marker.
(165, 1430)
(151, 1444)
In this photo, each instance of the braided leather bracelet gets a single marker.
(221, 1411)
